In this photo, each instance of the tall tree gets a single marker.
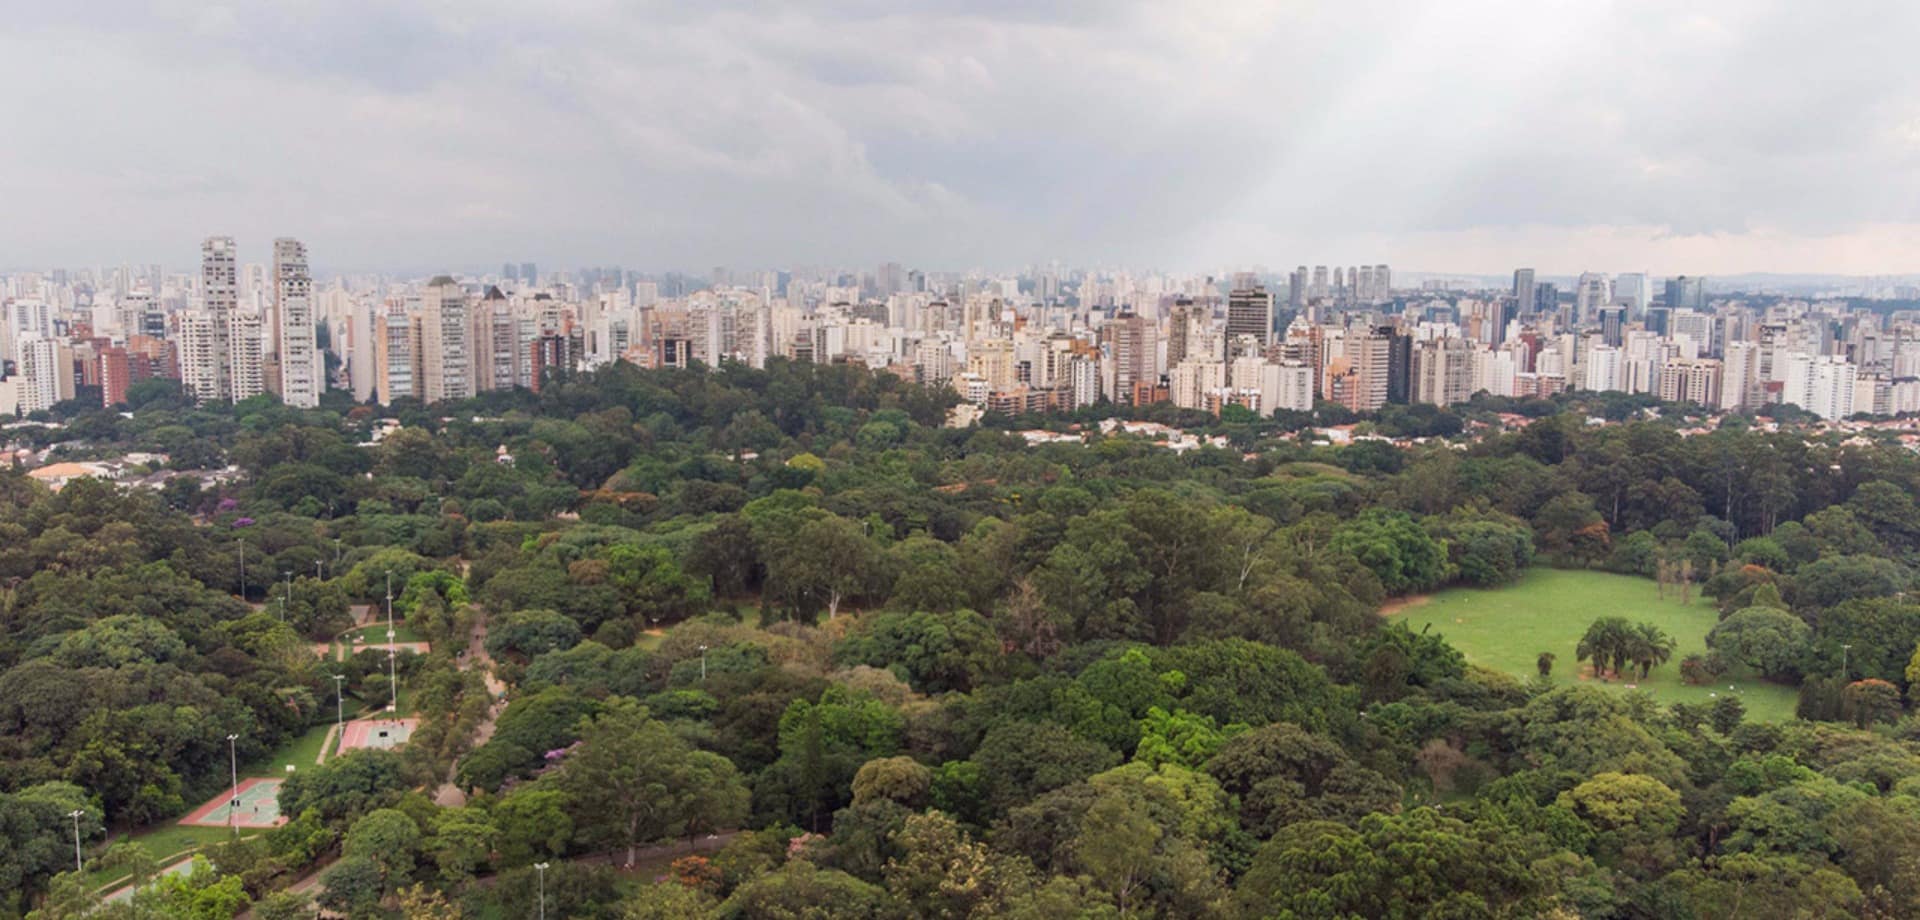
(633, 781)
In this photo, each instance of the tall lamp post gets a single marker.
(75, 815)
(542, 868)
(233, 761)
(1843, 662)
(339, 706)
(703, 664)
(393, 681)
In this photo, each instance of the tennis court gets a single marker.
(259, 806)
(379, 734)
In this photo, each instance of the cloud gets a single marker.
(1737, 135)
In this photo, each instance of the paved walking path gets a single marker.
(450, 795)
(124, 893)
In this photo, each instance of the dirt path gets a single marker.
(1404, 604)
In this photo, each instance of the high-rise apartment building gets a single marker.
(219, 298)
(246, 358)
(443, 358)
(1442, 372)
(1192, 380)
(1359, 377)
(1131, 349)
(195, 347)
(1694, 380)
(46, 371)
(393, 347)
(1820, 384)
(499, 356)
(1603, 365)
(1741, 382)
(301, 370)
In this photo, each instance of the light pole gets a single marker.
(393, 682)
(316, 568)
(1843, 661)
(75, 815)
(339, 705)
(703, 664)
(542, 867)
(283, 610)
(243, 567)
(233, 760)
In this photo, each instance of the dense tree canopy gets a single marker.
(897, 669)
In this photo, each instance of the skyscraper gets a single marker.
(1523, 290)
(1687, 292)
(301, 379)
(1250, 312)
(1546, 296)
(219, 296)
(1613, 324)
(1630, 290)
(1593, 291)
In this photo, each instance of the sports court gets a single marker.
(379, 734)
(259, 806)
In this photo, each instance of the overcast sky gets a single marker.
(1447, 136)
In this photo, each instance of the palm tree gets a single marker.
(1653, 647)
(1604, 644)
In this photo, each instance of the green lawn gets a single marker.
(165, 842)
(301, 753)
(1548, 610)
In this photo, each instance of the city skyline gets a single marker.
(1735, 138)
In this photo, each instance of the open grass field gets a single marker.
(166, 843)
(301, 753)
(1548, 610)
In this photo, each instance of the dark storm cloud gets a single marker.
(956, 135)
